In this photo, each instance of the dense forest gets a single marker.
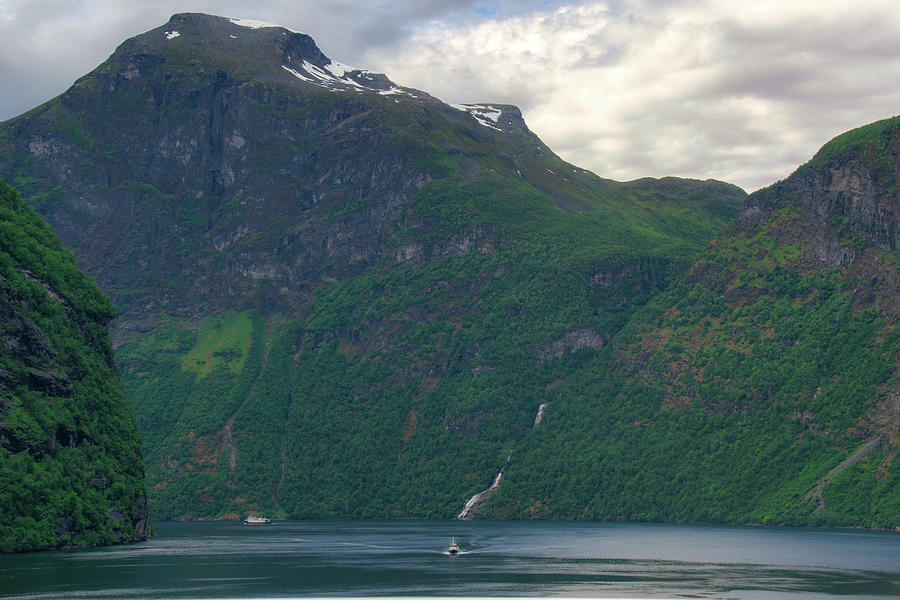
(401, 391)
(760, 388)
(70, 464)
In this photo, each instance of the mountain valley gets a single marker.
(339, 297)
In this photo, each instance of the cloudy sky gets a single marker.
(732, 90)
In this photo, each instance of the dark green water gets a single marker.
(406, 558)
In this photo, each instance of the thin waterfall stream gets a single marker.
(475, 502)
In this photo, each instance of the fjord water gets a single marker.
(406, 558)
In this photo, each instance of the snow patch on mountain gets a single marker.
(253, 24)
(486, 115)
(340, 69)
(337, 76)
(297, 74)
(334, 73)
(326, 78)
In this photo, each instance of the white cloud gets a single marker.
(737, 91)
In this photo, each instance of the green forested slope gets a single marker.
(339, 296)
(70, 463)
(401, 391)
(742, 391)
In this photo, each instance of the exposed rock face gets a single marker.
(851, 188)
(23, 342)
(572, 341)
(62, 414)
(239, 167)
(224, 188)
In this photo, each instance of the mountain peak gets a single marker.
(230, 36)
(249, 50)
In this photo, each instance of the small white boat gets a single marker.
(251, 520)
(454, 548)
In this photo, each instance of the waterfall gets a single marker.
(473, 503)
(479, 498)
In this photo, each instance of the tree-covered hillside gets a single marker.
(344, 298)
(763, 386)
(70, 462)
(400, 391)
(340, 297)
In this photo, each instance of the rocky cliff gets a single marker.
(188, 161)
(70, 465)
(340, 296)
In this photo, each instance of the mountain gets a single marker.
(70, 462)
(339, 296)
(760, 388)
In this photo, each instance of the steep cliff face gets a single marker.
(235, 166)
(763, 387)
(322, 273)
(848, 188)
(194, 173)
(70, 463)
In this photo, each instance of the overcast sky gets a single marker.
(742, 91)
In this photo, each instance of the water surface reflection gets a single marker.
(406, 558)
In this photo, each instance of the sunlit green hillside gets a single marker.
(400, 391)
(762, 387)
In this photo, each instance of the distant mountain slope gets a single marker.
(763, 387)
(70, 462)
(340, 297)
(231, 154)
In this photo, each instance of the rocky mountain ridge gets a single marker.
(202, 168)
